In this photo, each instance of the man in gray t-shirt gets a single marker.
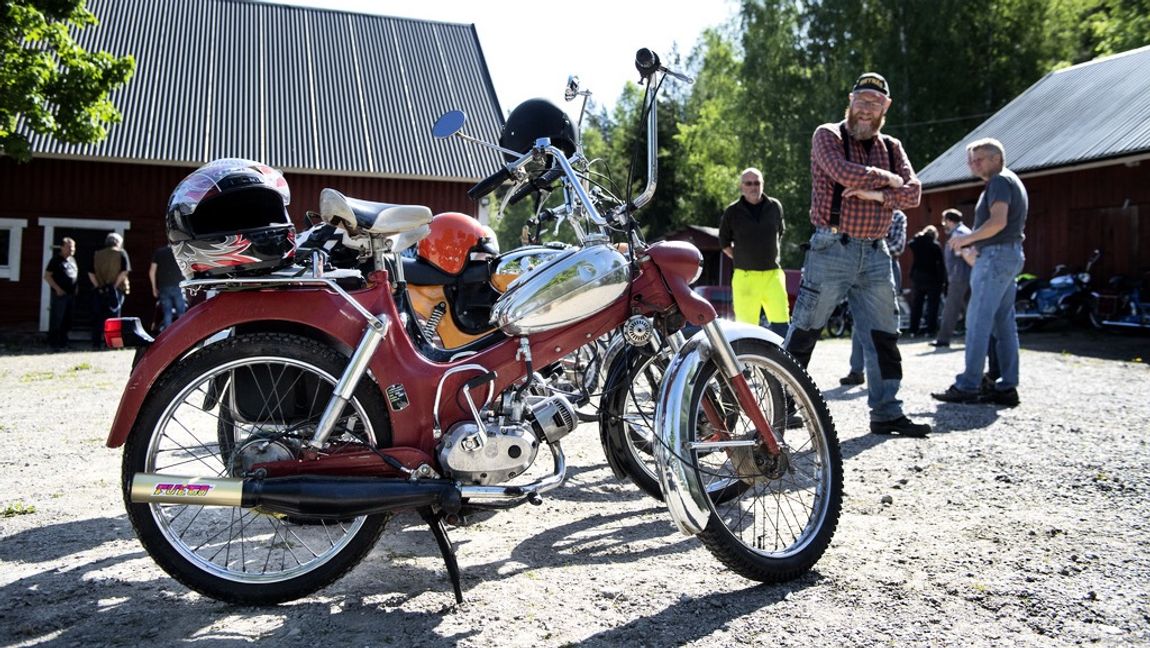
(999, 221)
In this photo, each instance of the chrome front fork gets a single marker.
(732, 369)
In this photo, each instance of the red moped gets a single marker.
(271, 432)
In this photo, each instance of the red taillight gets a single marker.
(114, 333)
(121, 332)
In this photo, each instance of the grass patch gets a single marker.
(83, 366)
(37, 376)
(18, 508)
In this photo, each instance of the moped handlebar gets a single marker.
(541, 183)
(649, 66)
(490, 183)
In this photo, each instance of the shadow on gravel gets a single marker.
(1104, 345)
(952, 417)
(708, 614)
(948, 417)
(619, 538)
(845, 393)
(860, 444)
(113, 603)
(55, 541)
(607, 489)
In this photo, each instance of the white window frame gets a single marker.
(50, 225)
(16, 226)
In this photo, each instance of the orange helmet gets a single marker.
(453, 237)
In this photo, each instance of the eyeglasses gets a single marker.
(751, 183)
(867, 104)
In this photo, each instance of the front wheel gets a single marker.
(249, 399)
(785, 507)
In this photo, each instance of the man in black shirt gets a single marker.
(751, 233)
(165, 276)
(61, 275)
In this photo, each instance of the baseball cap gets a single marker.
(872, 81)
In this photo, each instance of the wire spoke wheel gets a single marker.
(633, 406)
(249, 400)
(778, 513)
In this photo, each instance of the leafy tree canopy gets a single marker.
(48, 83)
(765, 81)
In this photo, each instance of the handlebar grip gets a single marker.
(523, 192)
(539, 183)
(489, 184)
(646, 62)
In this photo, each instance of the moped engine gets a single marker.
(498, 454)
(504, 451)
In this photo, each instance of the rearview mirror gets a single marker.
(448, 124)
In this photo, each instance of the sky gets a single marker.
(530, 57)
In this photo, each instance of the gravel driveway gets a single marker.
(1024, 526)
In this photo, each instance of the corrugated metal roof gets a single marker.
(304, 90)
(1083, 114)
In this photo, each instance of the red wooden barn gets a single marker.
(333, 99)
(1080, 140)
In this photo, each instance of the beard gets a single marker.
(863, 131)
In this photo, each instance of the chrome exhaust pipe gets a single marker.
(306, 496)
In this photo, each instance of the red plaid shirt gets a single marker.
(858, 218)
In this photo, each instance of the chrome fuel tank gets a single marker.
(565, 289)
(518, 262)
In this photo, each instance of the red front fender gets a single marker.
(317, 309)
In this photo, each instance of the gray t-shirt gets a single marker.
(1004, 187)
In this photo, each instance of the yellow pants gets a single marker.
(755, 290)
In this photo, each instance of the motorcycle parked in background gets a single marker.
(1125, 306)
(272, 432)
(841, 321)
(1066, 296)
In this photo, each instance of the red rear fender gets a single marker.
(326, 314)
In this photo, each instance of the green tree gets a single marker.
(709, 137)
(1121, 25)
(784, 100)
(620, 148)
(49, 84)
(1081, 30)
(767, 80)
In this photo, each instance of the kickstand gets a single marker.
(435, 521)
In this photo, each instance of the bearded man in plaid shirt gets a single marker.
(858, 178)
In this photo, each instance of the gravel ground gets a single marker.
(1024, 526)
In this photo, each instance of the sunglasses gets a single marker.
(751, 183)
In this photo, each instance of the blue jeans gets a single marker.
(856, 337)
(990, 312)
(860, 271)
(171, 299)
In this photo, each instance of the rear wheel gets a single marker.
(249, 399)
(786, 507)
(582, 367)
(629, 413)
